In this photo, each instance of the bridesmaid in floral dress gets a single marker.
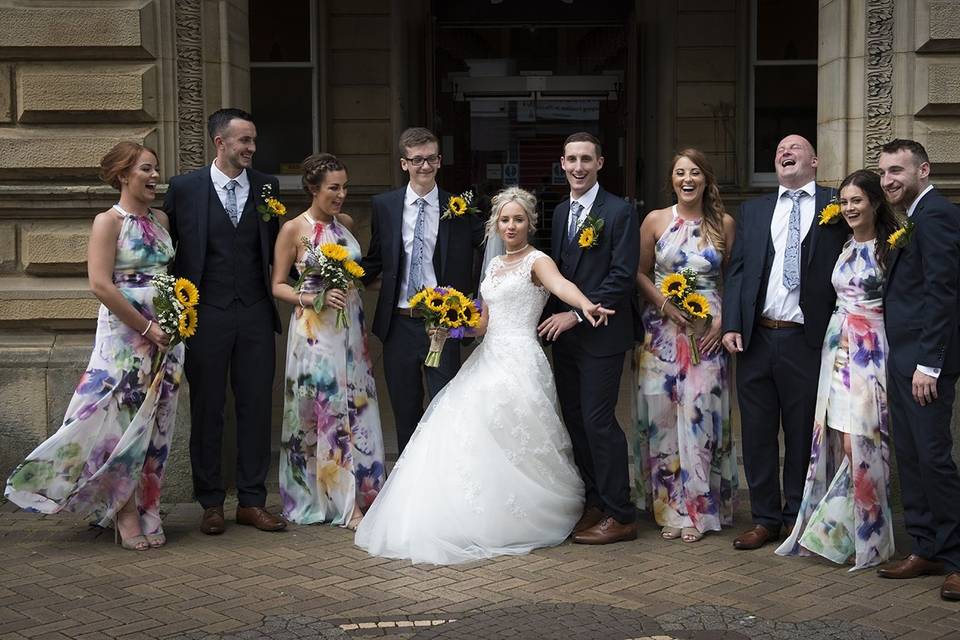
(331, 450)
(845, 513)
(107, 458)
(683, 452)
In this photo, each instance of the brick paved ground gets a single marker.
(61, 579)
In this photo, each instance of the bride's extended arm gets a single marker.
(481, 328)
(546, 273)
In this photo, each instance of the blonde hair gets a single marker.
(526, 200)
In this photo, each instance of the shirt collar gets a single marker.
(221, 179)
(586, 200)
(432, 198)
(810, 189)
(917, 201)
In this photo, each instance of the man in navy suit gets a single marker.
(588, 362)
(411, 248)
(777, 302)
(921, 308)
(226, 248)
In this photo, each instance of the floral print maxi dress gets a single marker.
(683, 451)
(845, 510)
(116, 434)
(331, 450)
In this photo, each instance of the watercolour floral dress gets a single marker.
(685, 464)
(845, 513)
(331, 450)
(117, 430)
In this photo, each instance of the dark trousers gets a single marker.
(777, 386)
(929, 484)
(588, 387)
(404, 351)
(239, 339)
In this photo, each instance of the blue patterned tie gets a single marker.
(415, 280)
(791, 256)
(575, 209)
(231, 205)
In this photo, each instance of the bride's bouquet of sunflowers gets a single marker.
(680, 290)
(175, 305)
(331, 263)
(448, 314)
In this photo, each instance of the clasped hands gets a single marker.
(552, 327)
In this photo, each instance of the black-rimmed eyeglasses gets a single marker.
(418, 161)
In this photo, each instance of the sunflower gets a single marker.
(587, 238)
(276, 207)
(434, 301)
(187, 323)
(451, 317)
(673, 285)
(186, 292)
(469, 315)
(354, 269)
(696, 305)
(334, 251)
(896, 237)
(830, 213)
(417, 298)
(457, 205)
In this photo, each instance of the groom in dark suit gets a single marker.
(777, 302)
(226, 248)
(411, 248)
(588, 362)
(920, 313)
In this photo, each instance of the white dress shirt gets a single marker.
(933, 372)
(780, 303)
(242, 190)
(587, 200)
(431, 222)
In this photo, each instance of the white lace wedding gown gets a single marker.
(489, 470)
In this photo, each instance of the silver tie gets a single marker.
(791, 255)
(575, 209)
(231, 205)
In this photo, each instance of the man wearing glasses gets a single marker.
(412, 248)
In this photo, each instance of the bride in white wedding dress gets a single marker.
(489, 470)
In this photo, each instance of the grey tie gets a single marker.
(415, 280)
(791, 255)
(231, 205)
(575, 209)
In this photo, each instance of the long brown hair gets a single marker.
(885, 220)
(713, 209)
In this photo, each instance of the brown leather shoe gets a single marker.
(212, 522)
(260, 518)
(607, 531)
(951, 587)
(590, 517)
(755, 538)
(913, 566)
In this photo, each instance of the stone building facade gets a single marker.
(652, 75)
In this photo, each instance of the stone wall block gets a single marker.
(6, 94)
(360, 103)
(937, 25)
(359, 67)
(937, 87)
(28, 299)
(359, 32)
(23, 412)
(8, 247)
(87, 93)
(707, 64)
(361, 137)
(54, 248)
(941, 138)
(704, 99)
(40, 152)
(70, 32)
(369, 170)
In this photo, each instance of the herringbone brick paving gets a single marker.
(60, 578)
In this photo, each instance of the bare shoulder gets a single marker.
(161, 218)
(656, 221)
(346, 220)
(108, 220)
(729, 224)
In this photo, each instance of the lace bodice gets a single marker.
(513, 300)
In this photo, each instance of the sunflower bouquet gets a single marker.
(679, 289)
(270, 207)
(175, 305)
(447, 309)
(459, 205)
(331, 263)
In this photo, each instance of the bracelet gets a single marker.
(149, 324)
(663, 304)
(300, 298)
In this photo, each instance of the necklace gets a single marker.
(511, 252)
(127, 213)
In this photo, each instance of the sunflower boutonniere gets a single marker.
(589, 233)
(901, 237)
(830, 213)
(459, 206)
(270, 206)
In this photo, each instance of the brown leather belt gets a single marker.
(778, 324)
(408, 312)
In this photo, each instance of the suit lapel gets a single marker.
(763, 227)
(395, 231)
(443, 239)
(822, 200)
(560, 231)
(204, 179)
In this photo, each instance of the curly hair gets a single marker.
(526, 200)
(885, 219)
(119, 160)
(713, 209)
(315, 168)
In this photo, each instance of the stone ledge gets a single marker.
(54, 247)
(27, 152)
(29, 298)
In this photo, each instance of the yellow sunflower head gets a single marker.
(696, 305)
(450, 317)
(830, 213)
(434, 301)
(354, 269)
(186, 292)
(457, 205)
(276, 206)
(895, 237)
(334, 251)
(417, 298)
(673, 285)
(187, 323)
(587, 238)
(469, 314)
